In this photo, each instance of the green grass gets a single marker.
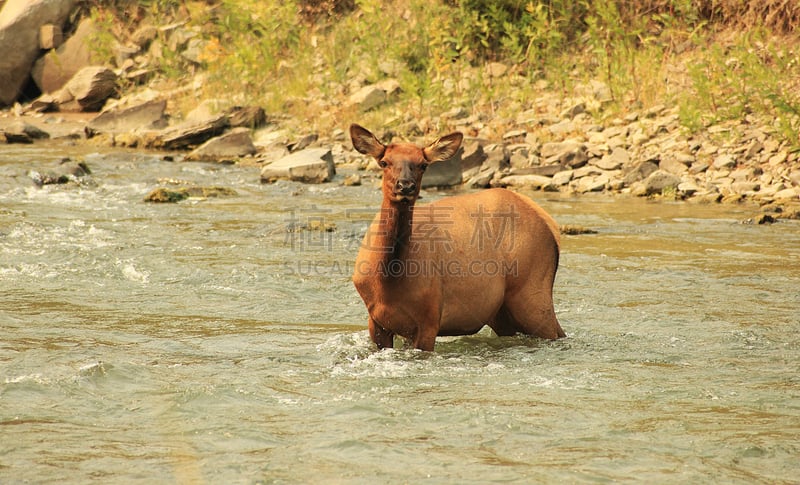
(705, 57)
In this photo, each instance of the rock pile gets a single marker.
(648, 154)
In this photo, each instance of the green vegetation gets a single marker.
(716, 60)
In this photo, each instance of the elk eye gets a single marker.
(423, 166)
(382, 163)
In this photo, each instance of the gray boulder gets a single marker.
(247, 116)
(66, 171)
(226, 147)
(444, 174)
(89, 89)
(53, 70)
(639, 172)
(496, 159)
(191, 133)
(314, 165)
(473, 155)
(481, 179)
(21, 132)
(20, 22)
(143, 116)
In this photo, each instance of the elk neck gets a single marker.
(394, 231)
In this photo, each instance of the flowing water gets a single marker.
(221, 341)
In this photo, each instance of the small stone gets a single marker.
(779, 158)
(390, 86)
(753, 149)
(688, 188)
(660, 181)
(530, 181)
(790, 193)
(456, 113)
(724, 161)
(353, 180)
(496, 69)
(575, 230)
(765, 219)
(144, 35)
(569, 154)
(41, 179)
(545, 170)
(574, 110)
(368, 97)
(586, 171)
(595, 183)
(50, 36)
(178, 194)
(514, 136)
(618, 158)
(303, 142)
(732, 198)
(669, 164)
(698, 167)
(562, 128)
(562, 178)
(640, 172)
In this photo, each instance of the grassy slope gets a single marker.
(715, 65)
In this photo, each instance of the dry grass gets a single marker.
(780, 16)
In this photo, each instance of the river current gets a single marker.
(220, 340)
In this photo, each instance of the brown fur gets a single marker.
(453, 266)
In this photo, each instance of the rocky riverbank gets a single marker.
(645, 154)
(554, 143)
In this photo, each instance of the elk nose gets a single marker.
(405, 187)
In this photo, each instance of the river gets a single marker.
(203, 342)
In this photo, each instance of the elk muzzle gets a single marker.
(405, 187)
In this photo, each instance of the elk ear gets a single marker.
(365, 142)
(443, 148)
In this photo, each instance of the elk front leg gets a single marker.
(383, 338)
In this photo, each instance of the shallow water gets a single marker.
(202, 342)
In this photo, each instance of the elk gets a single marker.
(455, 265)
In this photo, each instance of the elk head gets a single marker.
(403, 163)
